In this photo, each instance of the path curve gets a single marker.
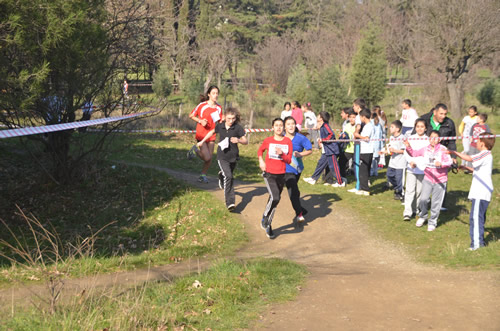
(357, 281)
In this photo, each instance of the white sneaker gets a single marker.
(327, 184)
(420, 222)
(431, 227)
(353, 190)
(309, 180)
(361, 192)
(338, 185)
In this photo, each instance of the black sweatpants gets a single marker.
(365, 163)
(274, 184)
(291, 181)
(227, 169)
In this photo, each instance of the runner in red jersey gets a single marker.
(279, 153)
(207, 114)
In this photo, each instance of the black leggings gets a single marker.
(274, 184)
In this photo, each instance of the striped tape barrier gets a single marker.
(65, 126)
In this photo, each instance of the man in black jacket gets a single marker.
(437, 120)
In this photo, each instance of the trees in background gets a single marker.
(54, 57)
(368, 75)
(461, 33)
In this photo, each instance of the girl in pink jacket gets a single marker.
(435, 179)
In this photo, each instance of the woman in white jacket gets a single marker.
(415, 170)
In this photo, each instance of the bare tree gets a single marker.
(276, 56)
(463, 33)
(214, 56)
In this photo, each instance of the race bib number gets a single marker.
(215, 116)
(272, 151)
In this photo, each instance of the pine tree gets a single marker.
(368, 74)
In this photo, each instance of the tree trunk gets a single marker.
(456, 92)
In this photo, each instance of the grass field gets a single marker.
(146, 217)
(228, 296)
(446, 246)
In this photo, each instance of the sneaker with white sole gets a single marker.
(338, 185)
(420, 222)
(362, 192)
(353, 190)
(328, 184)
(203, 179)
(269, 232)
(431, 227)
(230, 207)
(309, 180)
(300, 218)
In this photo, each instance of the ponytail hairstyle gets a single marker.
(235, 112)
(204, 97)
(374, 117)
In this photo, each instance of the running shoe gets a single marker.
(353, 190)
(361, 192)
(192, 152)
(338, 185)
(420, 222)
(269, 232)
(300, 218)
(203, 179)
(230, 207)
(309, 180)
(431, 227)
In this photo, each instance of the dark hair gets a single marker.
(288, 118)
(351, 112)
(489, 142)
(276, 120)
(474, 108)
(408, 102)
(483, 116)
(346, 110)
(398, 124)
(360, 102)
(435, 132)
(325, 116)
(441, 105)
(287, 103)
(421, 120)
(296, 103)
(365, 113)
(375, 119)
(235, 112)
(204, 97)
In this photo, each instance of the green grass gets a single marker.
(151, 219)
(446, 246)
(230, 296)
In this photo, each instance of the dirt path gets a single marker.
(357, 281)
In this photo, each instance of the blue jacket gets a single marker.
(326, 133)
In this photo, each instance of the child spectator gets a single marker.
(476, 130)
(365, 153)
(330, 151)
(435, 179)
(279, 152)
(349, 129)
(464, 130)
(378, 133)
(397, 163)
(408, 117)
(311, 122)
(230, 135)
(481, 187)
(415, 170)
(286, 110)
(298, 114)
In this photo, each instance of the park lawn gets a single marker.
(446, 246)
(228, 296)
(147, 218)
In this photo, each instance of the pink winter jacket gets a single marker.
(433, 174)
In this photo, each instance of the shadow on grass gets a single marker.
(493, 234)
(454, 208)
